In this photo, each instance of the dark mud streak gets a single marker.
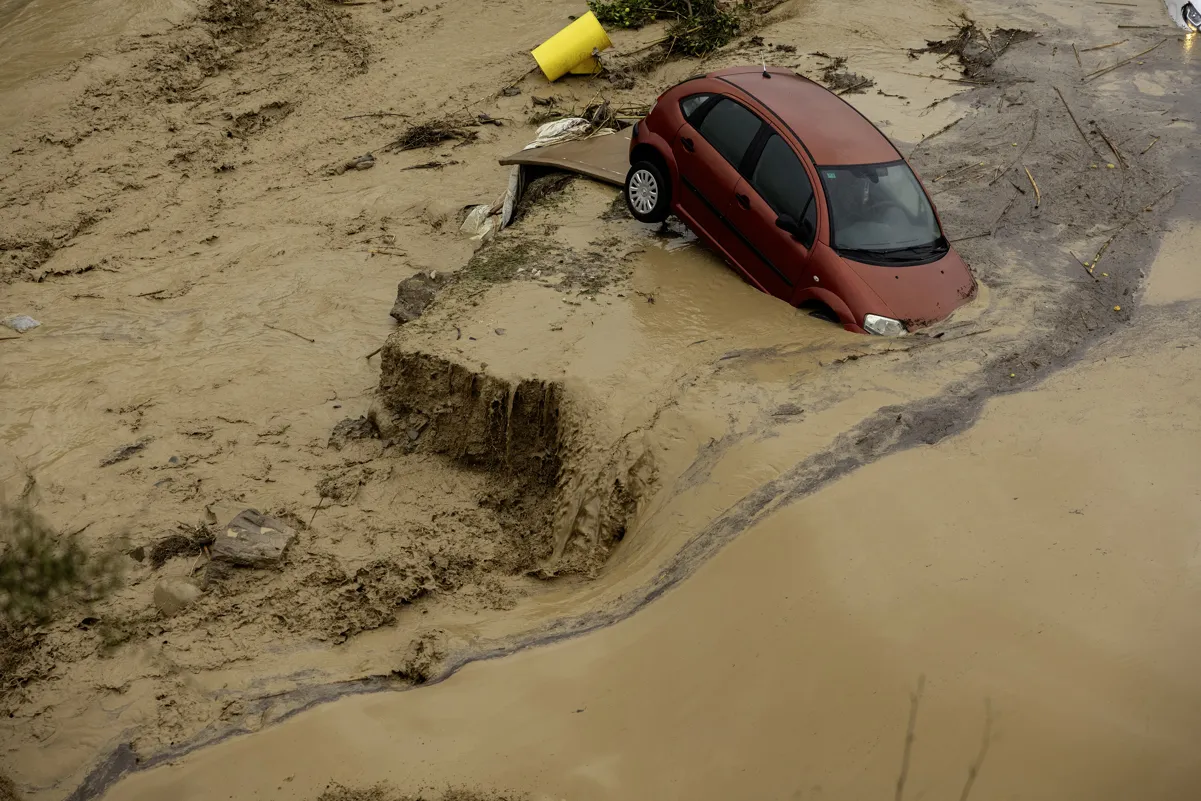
(1062, 343)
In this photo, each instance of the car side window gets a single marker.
(730, 128)
(691, 104)
(781, 180)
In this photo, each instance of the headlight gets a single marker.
(884, 326)
(1191, 17)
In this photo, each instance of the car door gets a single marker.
(775, 207)
(709, 148)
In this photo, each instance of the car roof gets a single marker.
(831, 129)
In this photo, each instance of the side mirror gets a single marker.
(786, 222)
(802, 231)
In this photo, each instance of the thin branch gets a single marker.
(985, 741)
(997, 223)
(1079, 63)
(1038, 196)
(286, 331)
(915, 700)
(375, 114)
(1105, 46)
(1087, 269)
(1116, 153)
(939, 132)
(1075, 121)
(1104, 70)
(1126, 224)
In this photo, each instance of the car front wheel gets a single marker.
(648, 195)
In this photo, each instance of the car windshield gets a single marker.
(879, 212)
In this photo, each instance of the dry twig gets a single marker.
(974, 769)
(286, 331)
(1038, 196)
(1075, 121)
(915, 700)
(1104, 46)
(1104, 70)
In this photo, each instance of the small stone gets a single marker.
(415, 294)
(138, 554)
(252, 539)
(350, 429)
(173, 595)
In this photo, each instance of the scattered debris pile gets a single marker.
(973, 47)
(840, 80)
(435, 132)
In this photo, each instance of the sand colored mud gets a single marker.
(210, 282)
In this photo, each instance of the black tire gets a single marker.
(648, 192)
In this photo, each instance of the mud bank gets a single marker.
(528, 436)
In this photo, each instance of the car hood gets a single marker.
(920, 294)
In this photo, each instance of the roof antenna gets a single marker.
(766, 74)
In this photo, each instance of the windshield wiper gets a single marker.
(870, 254)
(937, 247)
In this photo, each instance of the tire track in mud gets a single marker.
(1076, 319)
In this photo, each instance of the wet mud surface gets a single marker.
(584, 416)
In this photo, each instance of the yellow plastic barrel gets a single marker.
(561, 53)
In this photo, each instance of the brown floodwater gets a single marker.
(1041, 572)
(37, 36)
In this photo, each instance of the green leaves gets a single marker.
(39, 567)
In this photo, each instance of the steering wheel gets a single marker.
(881, 205)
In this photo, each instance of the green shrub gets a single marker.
(698, 26)
(39, 567)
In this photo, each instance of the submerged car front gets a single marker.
(884, 229)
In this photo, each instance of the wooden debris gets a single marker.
(1154, 142)
(1117, 153)
(286, 331)
(1079, 63)
(1104, 46)
(1123, 63)
(1075, 121)
(1038, 196)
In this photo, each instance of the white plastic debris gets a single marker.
(20, 323)
(480, 224)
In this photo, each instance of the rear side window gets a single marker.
(781, 180)
(691, 104)
(730, 128)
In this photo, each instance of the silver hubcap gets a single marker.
(644, 192)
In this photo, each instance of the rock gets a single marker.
(252, 539)
(126, 451)
(415, 293)
(173, 595)
(138, 554)
(349, 429)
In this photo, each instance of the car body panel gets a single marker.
(719, 203)
(920, 294)
(831, 130)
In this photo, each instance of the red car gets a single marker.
(736, 155)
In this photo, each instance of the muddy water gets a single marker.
(992, 564)
(40, 35)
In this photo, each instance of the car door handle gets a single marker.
(687, 143)
(743, 200)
